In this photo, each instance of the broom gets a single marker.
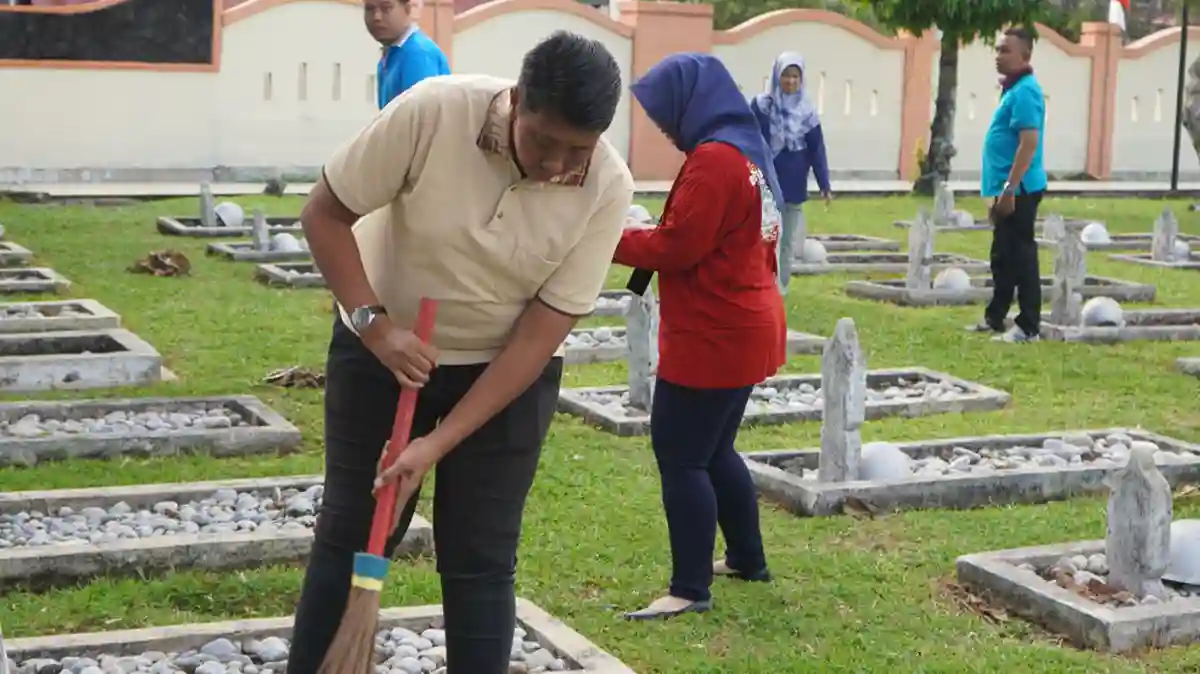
(353, 648)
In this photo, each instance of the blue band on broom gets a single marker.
(353, 648)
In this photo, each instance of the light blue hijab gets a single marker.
(790, 116)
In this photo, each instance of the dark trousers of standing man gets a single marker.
(1015, 266)
(478, 502)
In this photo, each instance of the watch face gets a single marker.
(360, 318)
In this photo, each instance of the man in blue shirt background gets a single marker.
(1014, 176)
(409, 55)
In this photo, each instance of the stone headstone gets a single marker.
(641, 333)
(208, 215)
(1070, 273)
(785, 253)
(260, 233)
(844, 390)
(1138, 545)
(1052, 227)
(1166, 231)
(943, 205)
(3, 655)
(920, 253)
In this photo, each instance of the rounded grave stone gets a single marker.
(638, 213)
(1095, 233)
(812, 252)
(1103, 312)
(283, 242)
(229, 214)
(1182, 250)
(883, 462)
(954, 279)
(1184, 566)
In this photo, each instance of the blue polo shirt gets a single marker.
(413, 58)
(1021, 107)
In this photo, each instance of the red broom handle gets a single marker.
(385, 502)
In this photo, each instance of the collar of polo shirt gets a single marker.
(496, 137)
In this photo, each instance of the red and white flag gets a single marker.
(1117, 11)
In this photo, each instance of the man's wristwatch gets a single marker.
(1009, 190)
(362, 317)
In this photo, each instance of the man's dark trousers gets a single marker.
(1015, 266)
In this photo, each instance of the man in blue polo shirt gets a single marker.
(409, 56)
(1014, 176)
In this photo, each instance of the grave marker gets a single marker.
(943, 205)
(208, 214)
(260, 232)
(1070, 273)
(641, 319)
(844, 390)
(1138, 544)
(1053, 227)
(1166, 231)
(920, 253)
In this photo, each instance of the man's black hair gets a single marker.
(1024, 36)
(572, 78)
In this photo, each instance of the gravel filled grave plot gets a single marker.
(969, 472)
(83, 359)
(246, 251)
(885, 263)
(1189, 366)
(1130, 242)
(14, 255)
(612, 303)
(56, 316)
(64, 536)
(1192, 262)
(1076, 602)
(290, 274)
(34, 431)
(1173, 325)
(910, 392)
(844, 242)
(600, 345)
(409, 641)
(180, 226)
(980, 292)
(32, 280)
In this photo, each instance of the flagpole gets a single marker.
(1183, 45)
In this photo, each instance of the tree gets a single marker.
(961, 22)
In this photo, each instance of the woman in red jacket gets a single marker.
(722, 328)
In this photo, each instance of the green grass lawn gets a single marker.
(851, 595)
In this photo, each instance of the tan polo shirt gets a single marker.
(449, 216)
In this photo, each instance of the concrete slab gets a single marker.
(244, 251)
(1145, 259)
(258, 429)
(612, 303)
(980, 225)
(191, 226)
(597, 404)
(611, 345)
(1160, 325)
(58, 564)
(77, 359)
(55, 316)
(885, 263)
(580, 654)
(14, 255)
(1130, 242)
(1189, 366)
(1085, 622)
(32, 280)
(844, 242)
(893, 291)
(781, 475)
(290, 275)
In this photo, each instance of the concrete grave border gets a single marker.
(885, 263)
(809, 498)
(894, 292)
(190, 226)
(49, 281)
(1189, 366)
(797, 343)
(100, 318)
(1139, 327)
(618, 310)
(281, 274)
(1144, 259)
(1084, 622)
(271, 431)
(138, 364)
(1123, 241)
(853, 242)
(14, 255)
(556, 636)
(244, 251)
(56, 564)
(979, 398)
(981, 225)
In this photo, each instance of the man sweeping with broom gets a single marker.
(500, 201)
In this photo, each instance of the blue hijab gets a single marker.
(791, 116)
(693, 99)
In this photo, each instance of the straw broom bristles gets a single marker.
(353, 648)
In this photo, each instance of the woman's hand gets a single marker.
(828, 197)
(408, 471)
